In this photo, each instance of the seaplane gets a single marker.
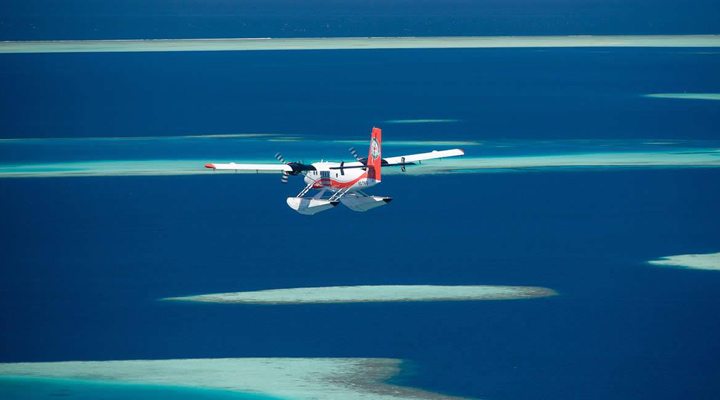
(340, 182)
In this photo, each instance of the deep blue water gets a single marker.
(78, 19)
(84, 260)
(495, 93)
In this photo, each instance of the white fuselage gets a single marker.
(329, 175)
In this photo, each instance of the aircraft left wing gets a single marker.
(412, 158)
(409, 159)
(250, 167)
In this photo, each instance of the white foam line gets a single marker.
(709, 158)
(370, 293)
(268, 137)
(685, 96)
(698, 158)
(265, 136)
(357, 43)
(290, 378)
(709, 261)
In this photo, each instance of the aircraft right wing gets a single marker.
(250, 167)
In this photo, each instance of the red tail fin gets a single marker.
(374, 161)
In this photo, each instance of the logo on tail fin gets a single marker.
(374, 160)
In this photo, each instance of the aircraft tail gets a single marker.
(374, 161)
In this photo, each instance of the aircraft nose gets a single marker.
(209, 165)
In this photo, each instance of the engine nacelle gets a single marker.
(310, 206)
(364, 203)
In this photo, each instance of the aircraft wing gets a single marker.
(409, 159)
(250, 167)
(412, 158)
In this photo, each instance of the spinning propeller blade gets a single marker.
(284, 177)
(296, 168)
(280, 158)
(354, 153)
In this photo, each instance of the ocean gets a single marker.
(92, 259)
(131, 19)
(85, 260)
(492, 93)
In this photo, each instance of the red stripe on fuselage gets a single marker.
(328, 182)
(340, 185)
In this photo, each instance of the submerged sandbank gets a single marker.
(685, 96)
(709, 261)
(89, 139)
(357, 43)
(368, 293)
(237, 137)
(291, 378)
(658, 159)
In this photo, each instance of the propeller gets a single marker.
(357, 157)
(297, 167)
(285, 176)
(402, 164)
(354, 153)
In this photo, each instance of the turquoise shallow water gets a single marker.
(185, 155)
(23, 388)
